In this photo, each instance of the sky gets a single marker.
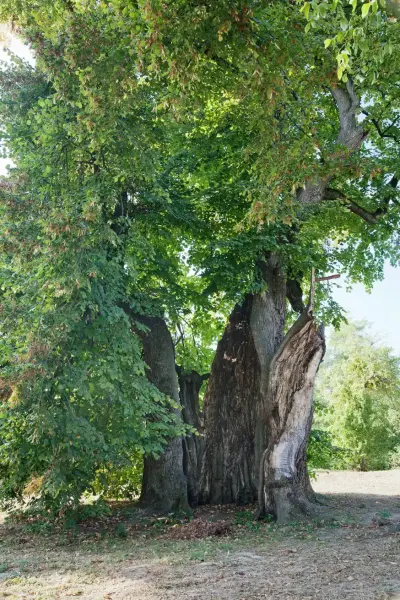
(381, 307)
(11, 41)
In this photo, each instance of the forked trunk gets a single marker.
(234, 424)
(285, 489)
(164, 487)
(193, 443)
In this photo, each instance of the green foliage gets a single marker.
(322, 453)
(160, 148)
(120, 483)
(364, 35)
(360, 394)
(395, 458)
(81, 401)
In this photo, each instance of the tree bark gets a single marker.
(164, 487)
(234, 429)
(260, 392)
(193, 443)
(285, 491)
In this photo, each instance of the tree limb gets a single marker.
(350, 135)
(368, 216)
(382, 133)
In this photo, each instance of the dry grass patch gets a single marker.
(222, 554)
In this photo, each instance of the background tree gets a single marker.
(359, 389)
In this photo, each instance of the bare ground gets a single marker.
(358, 557)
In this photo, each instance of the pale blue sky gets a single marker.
(381, 307)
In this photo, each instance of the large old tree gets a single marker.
(174, 163)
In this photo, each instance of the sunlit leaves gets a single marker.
(362, 33)
(360, 396)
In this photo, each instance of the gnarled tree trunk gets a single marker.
(193, 443)
(250, 403)
(164, 487)
(234, 403)
(284, 485)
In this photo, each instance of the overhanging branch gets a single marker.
(371, 217)
(383, 133)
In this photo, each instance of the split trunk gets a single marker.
(258, 406)
(234, 403)
(284, 485)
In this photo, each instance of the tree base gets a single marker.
(292, 505)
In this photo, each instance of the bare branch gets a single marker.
(312, 293)
(327, 278)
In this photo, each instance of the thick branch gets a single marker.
(350, 135)
(370, 217)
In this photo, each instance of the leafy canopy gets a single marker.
(359, 389)
(161, 149)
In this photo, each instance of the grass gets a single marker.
(144, 538)
(66, 562)
(96, 556)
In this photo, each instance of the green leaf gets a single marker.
(365, 9)
(306, 10)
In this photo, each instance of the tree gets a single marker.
(272, 169)
(81, 401)
(359, 389)
(234, 404)
(164, 487)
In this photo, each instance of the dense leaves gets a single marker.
(71, 356)
(359, 390)
(161, 149)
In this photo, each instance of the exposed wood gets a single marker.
(283, 490)
(312, 292)
(327, 278)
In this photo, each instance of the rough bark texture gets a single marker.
(285, 490)
(258, 393)
(164, 487)
(193, 444)
(234, 402)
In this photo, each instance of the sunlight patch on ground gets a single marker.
(380, 483)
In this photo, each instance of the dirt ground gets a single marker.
(356, 557)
